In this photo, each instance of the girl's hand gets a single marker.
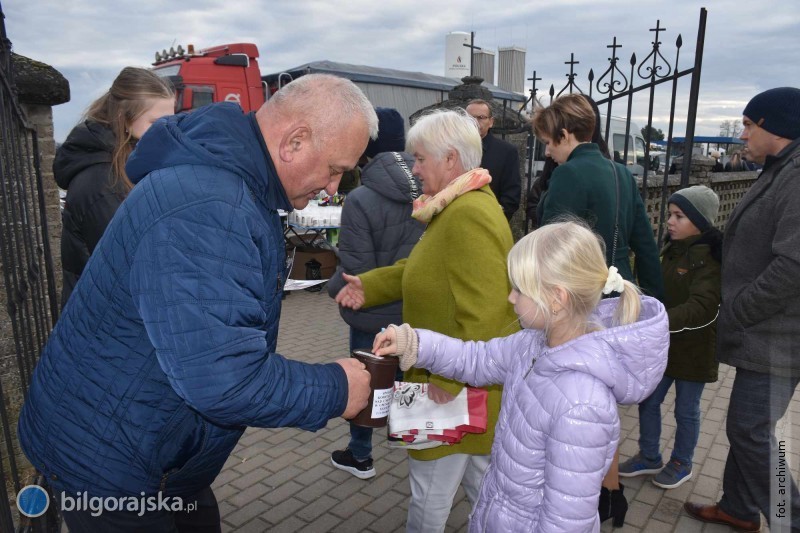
(385, 342)
(352, 294)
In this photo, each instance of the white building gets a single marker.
(457, 57)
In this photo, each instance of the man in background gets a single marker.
(759, 322)
(500, 158)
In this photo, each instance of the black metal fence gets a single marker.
(615, 85)
(27, 287)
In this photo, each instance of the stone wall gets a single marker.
(730, 186)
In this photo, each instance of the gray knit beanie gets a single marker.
(777, 111)
(699, 203)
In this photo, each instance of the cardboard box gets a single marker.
(302, 255)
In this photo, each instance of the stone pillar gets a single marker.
(35, 88)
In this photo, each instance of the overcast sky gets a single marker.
(750, 45)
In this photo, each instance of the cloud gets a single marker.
(749, 47)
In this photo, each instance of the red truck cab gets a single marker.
(225, 73)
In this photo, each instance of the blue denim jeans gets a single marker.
(687, 417)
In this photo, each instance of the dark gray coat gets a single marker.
(377, 230)
(759, 319)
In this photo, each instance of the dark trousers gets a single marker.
(757, 478)
(204, 519)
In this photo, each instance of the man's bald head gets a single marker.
(316, 128)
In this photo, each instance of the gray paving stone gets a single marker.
(357, 522)
(713, 468)
(688, 525)
(667, 511)
(385, 503)
(240, 498)
(249, 463)
(707, 486)
(294, 488)
(255, 525)
(290, 525)
(252, 510)
(389, 521)
(318, 488)
(351, 505)
(638, 513)
(278, 494)
(282, 476)
(323, 524)
(314, 509)
(277, 514)
(242, 482)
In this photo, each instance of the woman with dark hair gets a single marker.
(539, 187)
(90, 165)
(588, 184)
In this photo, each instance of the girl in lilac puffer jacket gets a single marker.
(563, 375)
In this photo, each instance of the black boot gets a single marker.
(613, 505)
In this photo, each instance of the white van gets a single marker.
(616, 144)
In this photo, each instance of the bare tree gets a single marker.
(730, 128)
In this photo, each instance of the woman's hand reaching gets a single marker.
(352, 294)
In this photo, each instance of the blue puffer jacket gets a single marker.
(165, 350)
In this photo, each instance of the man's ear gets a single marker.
(293, 142)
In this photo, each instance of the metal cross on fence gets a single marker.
(472, 49)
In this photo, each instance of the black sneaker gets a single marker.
(344, 460)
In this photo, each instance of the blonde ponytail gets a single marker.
(629, 305)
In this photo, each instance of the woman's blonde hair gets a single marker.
(443, 130)
(567, 255)
(127, 99)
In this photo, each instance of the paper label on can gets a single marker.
(381, 400)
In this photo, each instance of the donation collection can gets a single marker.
(382, 371)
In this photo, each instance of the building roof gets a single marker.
(387, 76)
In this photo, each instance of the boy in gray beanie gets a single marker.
(759, 318)
(690, 266)
(699, 203)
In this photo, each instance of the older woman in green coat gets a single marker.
(455, 283)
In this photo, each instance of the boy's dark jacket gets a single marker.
(691, 270)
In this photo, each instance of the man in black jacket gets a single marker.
(759, 320)
(500, 158)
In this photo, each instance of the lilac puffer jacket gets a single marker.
(558, 426)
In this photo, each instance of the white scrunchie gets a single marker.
(614, 281)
